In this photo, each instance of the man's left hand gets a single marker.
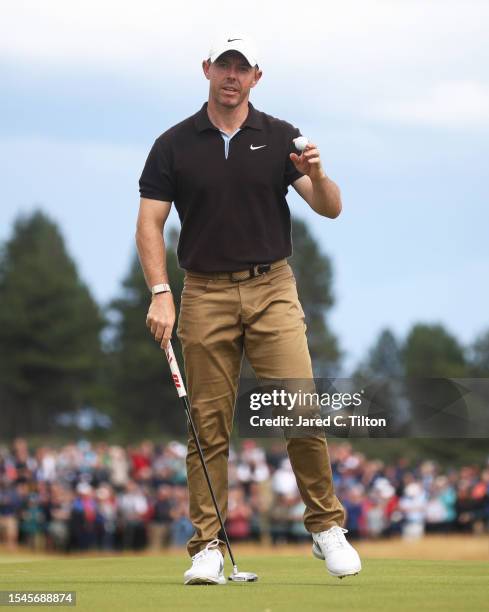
(309, 162)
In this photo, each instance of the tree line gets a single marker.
(62, 352)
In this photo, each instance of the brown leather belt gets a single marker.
(241, 275)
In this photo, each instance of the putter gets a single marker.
(182, 394)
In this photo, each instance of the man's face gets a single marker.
(230, 78)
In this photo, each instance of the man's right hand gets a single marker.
(161, 317)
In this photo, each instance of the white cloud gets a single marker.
(354, 35)
(408, 61)
(450, 103)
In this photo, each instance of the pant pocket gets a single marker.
(194, 287)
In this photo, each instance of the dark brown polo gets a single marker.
(233, 210)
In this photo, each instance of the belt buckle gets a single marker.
(254, 270)
(259, 269)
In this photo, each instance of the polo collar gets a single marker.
(202, 121)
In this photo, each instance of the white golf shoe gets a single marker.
(341, 558)
(207, 566)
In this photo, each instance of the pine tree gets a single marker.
(479, 356)
(314, 275)
(146, 400)
(49, 330)
(380, 379)
(430, 350)
(384, 358)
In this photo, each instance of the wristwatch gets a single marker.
(162, 288)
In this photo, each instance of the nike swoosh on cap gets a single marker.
(255, 148)
(233, 39)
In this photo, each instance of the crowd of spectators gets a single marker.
(84, 496)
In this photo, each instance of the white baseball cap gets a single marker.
(234, 42)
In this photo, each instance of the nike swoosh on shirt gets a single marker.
(255, 148)
(233, 39)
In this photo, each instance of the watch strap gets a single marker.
(161, 288)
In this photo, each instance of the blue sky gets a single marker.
(396, 95)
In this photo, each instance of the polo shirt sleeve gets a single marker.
(157, 181)
(291, 172)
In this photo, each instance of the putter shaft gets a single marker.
(182, 394)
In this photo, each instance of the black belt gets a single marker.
(241, 275)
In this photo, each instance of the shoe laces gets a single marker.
(334, 538)
(210, 547)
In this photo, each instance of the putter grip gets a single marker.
(175, 371)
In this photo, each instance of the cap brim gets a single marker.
(248, 56)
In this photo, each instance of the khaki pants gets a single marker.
(219, 319)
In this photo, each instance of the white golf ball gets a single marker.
(300, 143)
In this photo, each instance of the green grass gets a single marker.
(286, 583)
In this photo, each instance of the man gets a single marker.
(228, 168)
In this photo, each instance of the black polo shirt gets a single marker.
(233, 211)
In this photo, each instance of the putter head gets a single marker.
(243, 577)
